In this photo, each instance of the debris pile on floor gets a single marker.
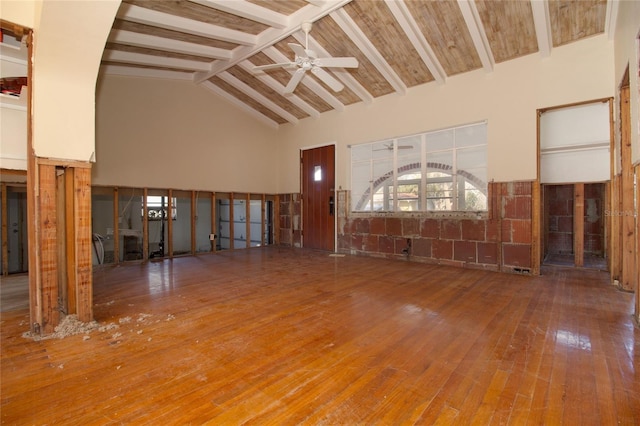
(70, 326)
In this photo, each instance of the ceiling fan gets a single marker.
(307, 60)
(389, 147)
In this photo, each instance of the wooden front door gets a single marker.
(318, 198)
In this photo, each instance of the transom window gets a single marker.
(443, 170)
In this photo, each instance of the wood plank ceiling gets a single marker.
(399, 44)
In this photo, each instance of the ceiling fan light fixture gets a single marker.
(306, 59)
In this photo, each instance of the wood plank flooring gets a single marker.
(286, 336)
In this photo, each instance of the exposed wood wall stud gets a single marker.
(83, 243)
(578, 224)
(48, 285)
(629, 256)
(145, 225)
(5, 229)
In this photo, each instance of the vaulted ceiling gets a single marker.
(399, 44)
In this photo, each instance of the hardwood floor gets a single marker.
(281, 336)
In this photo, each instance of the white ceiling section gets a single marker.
(399, 44)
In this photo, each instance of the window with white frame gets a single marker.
(443, 170)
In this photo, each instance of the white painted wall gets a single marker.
(69, 37)
(173, 134)
(627, 53)
(508, 98)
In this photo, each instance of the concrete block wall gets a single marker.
(498, 240)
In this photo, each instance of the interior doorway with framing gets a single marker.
(575, 147)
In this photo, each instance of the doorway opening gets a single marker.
(575, 225)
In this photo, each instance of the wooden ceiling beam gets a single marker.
(247, 10)
(129, 71)
(110, 55)
(277, 56)
(351, 29)
(145, 16)
(476, 30)
(279, 88)
(542, 24)
(271, 36)
(238, 103)
(344, 76)
(152, 42)
(410, 27)
(257, 96)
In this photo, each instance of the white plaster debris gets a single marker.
(70, 326)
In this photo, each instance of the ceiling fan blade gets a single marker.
(337, 62)
(293, 83)
(298, 50)
(274, 66)
(310, 53)
(327, 79)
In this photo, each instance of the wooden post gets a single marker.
(637, 215)
(629, 256)
(214, 229)
(615, 245)
(83, 241)
(276, 219)
(170, 223)
(48, 266)
(578, 224)
(66, 241)
(193, 222)
(248, 220)
(231, 223)
(116, 226)
(5, 228)
(145, 225)
(263, 216)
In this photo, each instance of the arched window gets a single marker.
(436, 171)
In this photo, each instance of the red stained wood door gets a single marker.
(318, 198)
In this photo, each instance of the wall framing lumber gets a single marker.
(170, 223)
(248, 220)
(48, 220)
(231, 219)
(145, 225)
(637, 216)
(615, 239)
(70, 241)
(213, 222)
(116, 226)
(536, 230)
(83, 241)
(578, 224)
(263, 216)
(193, 222)
(5, 229)
(629, 256)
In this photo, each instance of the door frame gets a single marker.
(335, 191)
(537, 207)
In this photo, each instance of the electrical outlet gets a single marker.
(212, 237)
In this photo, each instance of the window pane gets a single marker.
(383, 175)
(409, 197)
(360, 185)
(471, 135)
(439, 192)
(437, 141)
(456, 171)
(474, 199)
